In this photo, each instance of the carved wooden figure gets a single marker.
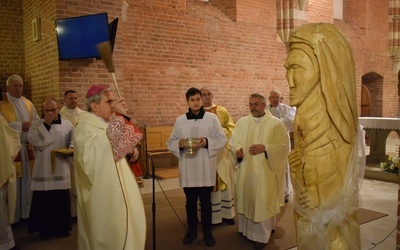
(321, 76)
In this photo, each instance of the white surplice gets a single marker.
(45, 176)
(197, 170)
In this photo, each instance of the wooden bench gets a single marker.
(155, 143)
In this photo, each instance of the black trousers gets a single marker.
(192, 195)
(50, 212)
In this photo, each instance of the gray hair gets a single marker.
(95, 98)
(257, 95)
(13, 78)
(275, 91)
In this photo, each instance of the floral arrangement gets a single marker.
(391, 165)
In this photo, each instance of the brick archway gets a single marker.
(374, 84)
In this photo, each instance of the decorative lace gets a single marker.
(123, 136)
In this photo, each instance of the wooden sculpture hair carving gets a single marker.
(324, 164)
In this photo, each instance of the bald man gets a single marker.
(223, 195)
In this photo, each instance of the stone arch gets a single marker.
(374, 83)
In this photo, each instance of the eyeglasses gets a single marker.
(50, 110)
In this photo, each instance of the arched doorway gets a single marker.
(373, 83)
(365, 101)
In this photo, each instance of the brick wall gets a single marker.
(41, 57)
(376, 59)
(12, 56)
(320, 11)
(164, 47)
(369, 28)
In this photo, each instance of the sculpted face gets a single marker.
(302, 73)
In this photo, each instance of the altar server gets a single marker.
(197, 172)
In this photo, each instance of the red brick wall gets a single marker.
(41, 57)
(161, 52)
(228, 7)
(371, 20)
(12, 56)
(256, 12)
(164, 47)
(320, 11)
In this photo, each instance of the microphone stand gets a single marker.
(153, 205)
(146, 175)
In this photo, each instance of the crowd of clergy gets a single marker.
(70, 162)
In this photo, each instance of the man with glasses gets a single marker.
(261, 145)
(51, 138)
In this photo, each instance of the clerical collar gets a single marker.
(58, 120)
(209, 107)
(191, 116)
(257, 119)
(71, 110)
(9, 96)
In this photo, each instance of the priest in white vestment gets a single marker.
(110, 207)
(223, 195)
(286, 114)
(20, 113)
(71, 113)
(10, 146)
(261, 144)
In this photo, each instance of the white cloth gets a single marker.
(223, 200)
(59, 136)
(286, 114)
(24, 194)
(6, 235)
(256, 231)
(10, 147)
(259, 182)
(71, 115)
(110, 207)
(197, 170)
